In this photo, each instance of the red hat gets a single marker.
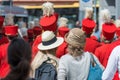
(118, 32)
(88, 25)
(108, 30)
(37, 30)
(63, 30)
(49, 23)
(30, 33)
(11, 30)
(1, 21)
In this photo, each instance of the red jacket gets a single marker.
(4, 66)
(91, 45)
(61, 50)
(3, 40)
(104, 52)
(36, 42)
(101, 52)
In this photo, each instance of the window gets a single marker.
(7, 2)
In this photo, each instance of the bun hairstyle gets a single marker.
(63, 22)
(48, 8)
(89, 12)
(19, 57)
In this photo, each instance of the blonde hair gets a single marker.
(48, 9)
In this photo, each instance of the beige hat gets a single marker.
(49, 41)
(75, 37)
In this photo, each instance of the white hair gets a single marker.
(88, 12)
(63, 21)
(48, 8)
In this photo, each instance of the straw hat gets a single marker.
(49, 41)
(75, 37)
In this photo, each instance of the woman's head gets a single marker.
(19, 57)
(76, 40)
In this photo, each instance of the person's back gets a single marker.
(76, 64)
(47, 49)
(76, 68)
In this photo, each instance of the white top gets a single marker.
(74, 68)
(113, 64)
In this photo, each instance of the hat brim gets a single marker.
(54, 45)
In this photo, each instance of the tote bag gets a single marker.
(95, 71)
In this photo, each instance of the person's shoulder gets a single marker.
(117, 47)
(87, 53)
(66, 57)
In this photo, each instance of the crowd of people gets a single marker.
(23, 50)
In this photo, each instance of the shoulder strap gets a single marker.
(92, 60)
(50, 59)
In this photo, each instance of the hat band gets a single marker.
(45, 43)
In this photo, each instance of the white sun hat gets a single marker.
(49, 41)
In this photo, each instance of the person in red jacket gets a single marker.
(62, 31)
(11, 32)
(113, 45)
(88, 25)
(37, 32)
(3, 38)
(47, 22)
(49, 19)
(107, 37)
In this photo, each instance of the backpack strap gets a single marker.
(50, 59)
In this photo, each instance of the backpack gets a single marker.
(46, 71)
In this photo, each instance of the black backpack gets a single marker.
(46, 71)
